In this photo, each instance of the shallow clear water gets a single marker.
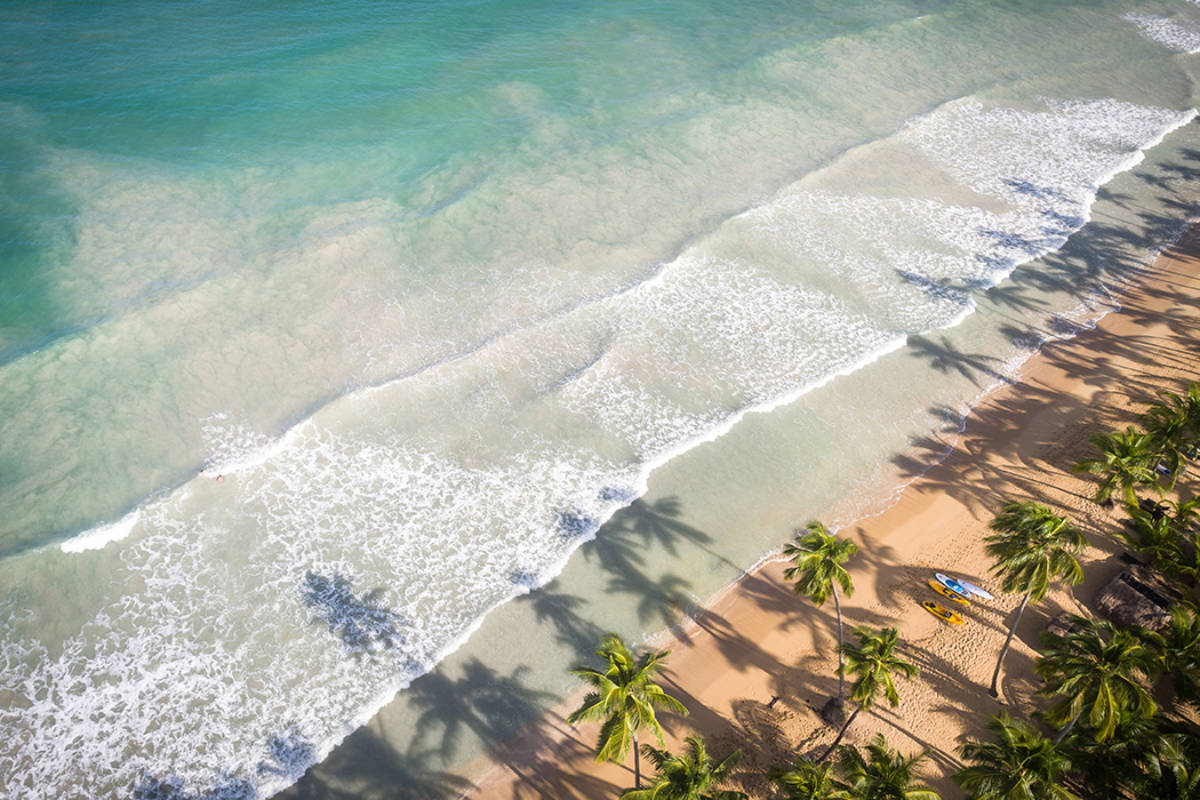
(435, 288)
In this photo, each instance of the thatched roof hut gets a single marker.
(1135, 598)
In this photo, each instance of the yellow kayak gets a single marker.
(946, 591)
(945, 614)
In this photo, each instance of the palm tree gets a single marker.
(1020, 765)
(1161, 538)
(1183, 514)
(1192, 400)
(1098, 671)
(872, 661)
(818, 572)
(1129, 460)
(1103, 769)
(884, 775)
(807, 780)
(692, 776)
(1179, 653)
(1173, 431)
(624, 696)
(1031, 545)
(1172, 768)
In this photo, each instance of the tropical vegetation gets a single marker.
(872, 662)
(692, 776)
(817, 572)
(1128, 459)
(1122, 701)
(882, 774)
(806, 779)
(1177, 649)
(1031, 545)
(624, 697)
(1020, 764)
(1097, 672)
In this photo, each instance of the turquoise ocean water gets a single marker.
(435, 288)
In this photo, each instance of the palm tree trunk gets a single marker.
(1131, 499)
(1063, 733)
(1105, 491)
(841, 733)
(837, 604)
(637, 764)
(1007, 644)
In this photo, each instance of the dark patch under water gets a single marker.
(363, 625)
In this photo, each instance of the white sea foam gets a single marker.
(101, 535)
(1178, 36)
(351, 554)
(1038, 161)
(233, 446)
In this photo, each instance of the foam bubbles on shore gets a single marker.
(101, 535)
(1041, 160)
(1173, 35)
(232, 445)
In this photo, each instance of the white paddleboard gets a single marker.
(975, 590)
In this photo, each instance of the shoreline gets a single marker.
(758, 660)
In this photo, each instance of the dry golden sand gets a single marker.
(758, 641)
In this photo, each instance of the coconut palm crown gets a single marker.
(1097, 672)
(1128, 459)
(817, 572)
(624, 696)
(884, 774)
(1031, 546)
(1172, 768)
(806, 779)
(692, 776)
(1105, 769)
(872, 662)
(1179, 653)
(1165, 539)
(1174, 429)
(1020, 764)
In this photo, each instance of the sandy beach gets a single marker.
(755, 667)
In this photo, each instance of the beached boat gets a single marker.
(944, 614)
(952, 584)
(946, 591)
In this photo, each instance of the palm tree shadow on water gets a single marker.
(620, 546)
(364, 625)
(381, 773)
(1075, 257)
(623, 549)
(627, 549)
(378, 771)
(476, 700)
(944, 356)
(481, 700)
(375, 762)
